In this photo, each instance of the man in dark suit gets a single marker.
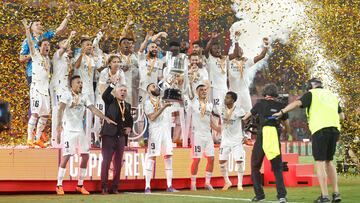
(114, 137)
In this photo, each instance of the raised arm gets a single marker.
(129, 22)
(144, 43)
(65, 46)
(214, 35)
(264, 51)
(63, 24)
(96, 42)
(158, 35)
(236, 51)
(79, 60)
(107, 96)
(28, 37)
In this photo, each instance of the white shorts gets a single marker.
(75, 141)
(159, 142)
(202, 146)
(39, 103)
(218, 96)
(237, 151)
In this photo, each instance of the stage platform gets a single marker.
(35, 170)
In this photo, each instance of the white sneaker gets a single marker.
(240, 188)
(227, 186)
(209, 187)
(193, 187)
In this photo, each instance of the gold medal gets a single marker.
(122, 110)
(151, 65)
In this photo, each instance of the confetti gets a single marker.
(334, 23)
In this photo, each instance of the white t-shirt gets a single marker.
(217, 75)
(237, 82)
(40, 73)
(144, 68)
(86, 72)
(104, 79)
(200, 124)
(60, 77)
(232, 132)
(74, 114)
(162, 121)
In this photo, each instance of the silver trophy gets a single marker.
(175, 77)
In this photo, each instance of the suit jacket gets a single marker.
(112, 111)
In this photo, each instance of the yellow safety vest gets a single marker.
(323, 110)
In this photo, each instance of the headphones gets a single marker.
(313, 83)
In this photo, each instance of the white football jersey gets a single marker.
(162, 121)
(40, 73)
(132, 73)
(201, 123)
(74, 113)
(86, 72)
(232, 132)
(61, 69)
(148, 75)
(238, 80)
(218, 72)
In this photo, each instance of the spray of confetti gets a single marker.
(278, 19)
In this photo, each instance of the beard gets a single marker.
(152, 53)
(155, 92)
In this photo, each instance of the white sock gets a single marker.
(31, 126)
(193, 179)
(149, 171)
(208, 177)
(224, 172)
(97, 128)
(168, 171)
(82, 176)
(240, 169)
(61, 175)
(40, 127)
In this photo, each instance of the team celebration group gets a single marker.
(90, 95)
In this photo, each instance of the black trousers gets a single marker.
(257, 158)
(112, 146)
